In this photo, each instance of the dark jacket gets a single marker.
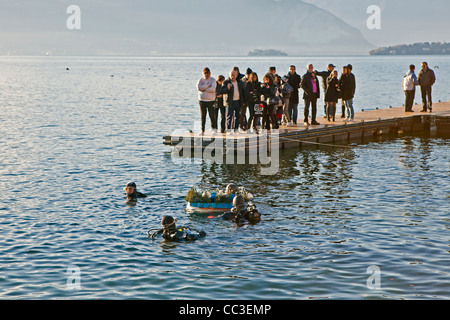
(332, 94)
(347, 85)
(426, 78)
(219, 100)
(307, 87)
(230, 93)
(136, 194)
(252, 91)
(268, 92)
(324, 75)
(179, 234)
(294, 80)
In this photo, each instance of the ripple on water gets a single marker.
(328, 214)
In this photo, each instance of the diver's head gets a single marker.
(238, 201)
(254, 215)
(130, 188)
(168, 223)
(231, 188)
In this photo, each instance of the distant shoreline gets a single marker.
(189, 56)
(422, 48)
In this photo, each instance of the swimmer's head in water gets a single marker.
(130, 188)
(168, 222)
(254, 215)
(231, 188)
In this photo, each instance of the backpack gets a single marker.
(408, 82)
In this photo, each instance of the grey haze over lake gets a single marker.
(199, 27)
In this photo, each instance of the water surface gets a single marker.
(71, 139)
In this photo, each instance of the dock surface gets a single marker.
(367, 124)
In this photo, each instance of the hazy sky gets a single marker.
(143, 27)
(402, 21)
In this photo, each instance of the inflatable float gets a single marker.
(200, 201)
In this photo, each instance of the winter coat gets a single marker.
(325, 75)
(426, 77)
(307, 87)
(294, 80)
(410, 81)
(268, 92)
(206, 89)
(332, 94)
(252, 91)
(347, 85)
(230, 92)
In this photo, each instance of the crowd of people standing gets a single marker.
(274, 101)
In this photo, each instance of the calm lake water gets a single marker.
(71, 139)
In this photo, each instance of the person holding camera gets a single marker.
(269, 92)
(252, 92)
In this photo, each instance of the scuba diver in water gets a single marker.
(239, 212)
(132, 193)
(170, 231)
(231, 189)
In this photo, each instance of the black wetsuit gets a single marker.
(135, 195)
(236, 215)
(180, 234)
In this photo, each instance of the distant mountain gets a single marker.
(176, 27)
(267, 53)
(402, 21)
(414, 49)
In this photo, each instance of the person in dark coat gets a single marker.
(234, 91)
(220, 107)
(294, 80)
(269, 91)
(344, 72)
(426, 80)
(332, 95)
(252, 91)
(325, 75)
(311, 88)
(348, 86)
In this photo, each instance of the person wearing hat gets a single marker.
(325, 75)
(248, 72)
(132, 193)
(171, 232)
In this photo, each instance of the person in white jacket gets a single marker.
(409, 84)
(207, 97)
